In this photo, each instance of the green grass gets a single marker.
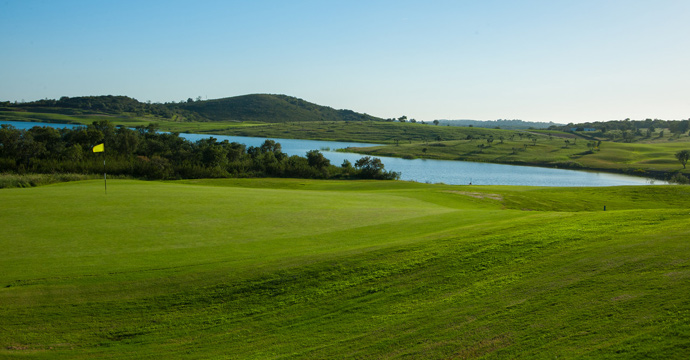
(645, 159)
(10, 180)
(382, 132)
(129, 121)
(271, 268)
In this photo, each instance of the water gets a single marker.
(25, 125)
(430, 171)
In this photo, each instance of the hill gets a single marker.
(262, 108)
(296, 269)
(268, 108)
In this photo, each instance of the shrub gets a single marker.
(679, 178)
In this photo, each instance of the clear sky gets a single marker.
(552, 60)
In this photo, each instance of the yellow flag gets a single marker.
(99, 148)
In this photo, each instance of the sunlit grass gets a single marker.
(272, 268)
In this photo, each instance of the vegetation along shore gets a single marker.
(650, 147)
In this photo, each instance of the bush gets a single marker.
(680, 179)
(8, 180)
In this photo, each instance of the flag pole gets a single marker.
(101, 148)
(105, 180)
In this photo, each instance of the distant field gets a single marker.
(633, 158)
(381, 132)
(165, 125)
(268, 269)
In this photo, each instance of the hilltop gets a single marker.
(269, 108)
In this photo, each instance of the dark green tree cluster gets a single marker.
(626, 130)
(108, 104)
(146, 153)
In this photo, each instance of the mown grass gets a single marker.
(291, 268)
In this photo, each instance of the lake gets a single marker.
(430, 171)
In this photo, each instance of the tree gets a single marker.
(679, 127)
(316, 159)
(436, 122)
(372, 168)
(683, 157)
(684, 126)
(271, 146)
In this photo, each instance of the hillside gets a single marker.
(270, 109)
(549, 148)
(302, 269)
(261, 108)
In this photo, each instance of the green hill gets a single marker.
(301, 269)
(270, 109)
(261, 108)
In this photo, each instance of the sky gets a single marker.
(552, 60)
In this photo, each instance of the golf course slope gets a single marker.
(301, 269)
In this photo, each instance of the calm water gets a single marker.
(431, 171)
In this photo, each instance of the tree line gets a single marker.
(636, 127)
(146, 153)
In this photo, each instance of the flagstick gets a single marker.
(101, 148)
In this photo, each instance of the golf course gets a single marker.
(325, 269)
(344, 180)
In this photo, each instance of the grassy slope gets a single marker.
(635, 158)
(130, 121)
(362, 131)
(313, 269)
(382, 132)
(269, 108)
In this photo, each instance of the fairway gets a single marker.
(290, 268)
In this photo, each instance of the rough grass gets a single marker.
(128, 120)
(273, 269)
(12, 180)
(644, 159)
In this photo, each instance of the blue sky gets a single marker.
(558, 60)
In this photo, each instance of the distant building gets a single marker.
(583, 129)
